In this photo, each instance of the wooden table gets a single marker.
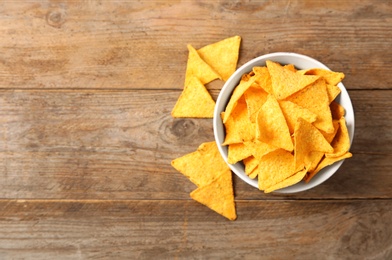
(87, 137)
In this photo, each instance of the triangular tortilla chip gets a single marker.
(237, 94)
(194, 101)
(222, 56)
(286, 82)
(255, 97)
(271, 126)
(218, 196)
(196, 67)
(293, 179)
(333, 91)
(308, 138)
(237, 152)
(238, 127)
(275, 167)
(326, 161)
(341, 142)
(331, 77)
(263, 78)
(337, 110)
(315, 98)
(292, 112)
(251, 164)
(203, 165)
(259, 149)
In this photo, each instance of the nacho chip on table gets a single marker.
(203, 165)
(218, 195)
(194, 101)
(222, 56)
(285, 82)
(197, 67)
(271, 126)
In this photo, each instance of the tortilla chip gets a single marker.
(292, 112)
(315, 98)
(194, 101)
(337, 110)
(293, 179)
(286, 82)
(263, 78)
(341, 142)
(308, 138)
(275, 167)
(333, 91)
(255, 97)
(290, 67)
(251, 164)
(326, 161)
(271, 126)
(237, 94)
(218, 195)
(237, 152)
(196, 67)
(203, 165)
(238, 127)
(222, 56)
(259, 149)
(331, 77)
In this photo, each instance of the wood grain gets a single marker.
(67, 144)
(128, 44)
(86, 136)
(135, 229)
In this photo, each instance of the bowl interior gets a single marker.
(300, 62)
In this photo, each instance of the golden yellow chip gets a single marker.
(337, 110)
(250, 164)
(290, 67)
(196, 67)
(325, 162)
(263, 78)
(259, 149)
(255, 97)
(341, 142)
(194, 101)
(203, 165)
(237, 94)
(271, 126)
(292, 112)
(237, 152)
(308, 138)
(222, 56)
(315, 98)
(333, 91)
(238, 127)
(218, 195)
(286, 82)
(331, 77)
(293, 179)
(275, 167)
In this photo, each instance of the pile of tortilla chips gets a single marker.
(284, 124)
(206, 167)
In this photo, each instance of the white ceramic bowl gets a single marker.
(300, 62)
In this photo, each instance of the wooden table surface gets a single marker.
(86, 141)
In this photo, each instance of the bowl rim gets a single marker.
(226, 92)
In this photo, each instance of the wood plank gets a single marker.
(128, 44)
(185, 229)
(62, 144)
